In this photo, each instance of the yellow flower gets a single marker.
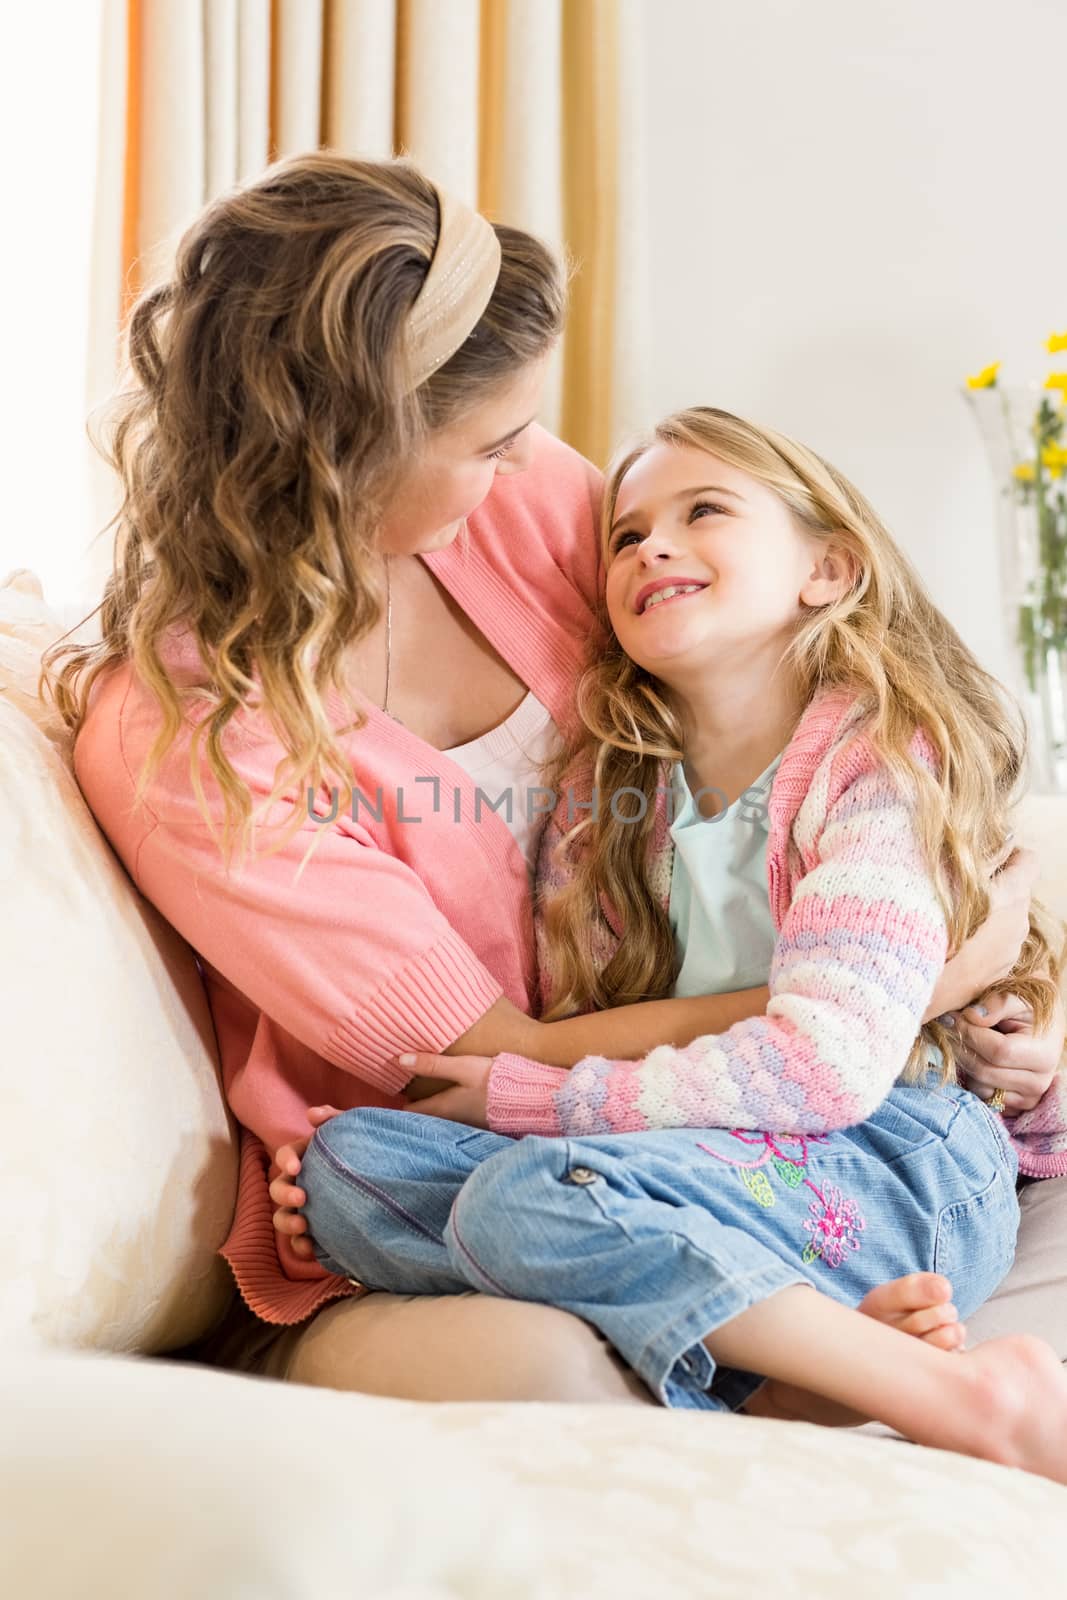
(1054, 457)
(1057, 380)
(986, 378)
(1024, 472)
(1056, 341)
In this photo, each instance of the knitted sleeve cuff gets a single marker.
(521, 1096)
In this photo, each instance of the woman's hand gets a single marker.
(993, 949)
(465, 1087)
(285, 1194)
(1000, 1050)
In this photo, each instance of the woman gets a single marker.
(342, 368)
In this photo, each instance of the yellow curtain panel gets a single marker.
(513, 104)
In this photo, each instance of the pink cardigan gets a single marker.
(861, 941)
(398, 935)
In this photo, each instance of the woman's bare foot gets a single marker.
(919, 1304)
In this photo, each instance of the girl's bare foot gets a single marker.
(1006, 1401)
(919, 1304)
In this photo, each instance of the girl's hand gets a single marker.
(286, 1195)
(465, 1092)
(993, 949)
(1000, 1050)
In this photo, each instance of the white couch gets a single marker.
(150, 1478)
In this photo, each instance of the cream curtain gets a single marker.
(529, 109)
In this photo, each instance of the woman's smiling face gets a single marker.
(683, 518)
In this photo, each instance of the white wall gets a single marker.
(853, 203)
(48, 131)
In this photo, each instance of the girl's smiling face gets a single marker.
(684, 519)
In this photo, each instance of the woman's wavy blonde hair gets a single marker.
(885, 641)
(266, 426)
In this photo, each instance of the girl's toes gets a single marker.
(926, 1289)
(902, 1296)
(883, 1303)
(951, 1336)
(921, 1323)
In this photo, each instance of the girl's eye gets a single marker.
(624, 538)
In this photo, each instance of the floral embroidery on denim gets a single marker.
(833, 1222)
(769, 1148)
(758, 1187)
(790, 1172)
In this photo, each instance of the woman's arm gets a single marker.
(622, 1031)
(999, 1049)
(351, 955)
(629, 1032)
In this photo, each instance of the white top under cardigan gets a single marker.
(506, 764)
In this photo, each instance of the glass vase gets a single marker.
(1021, 428)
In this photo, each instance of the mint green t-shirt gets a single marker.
(719, 907)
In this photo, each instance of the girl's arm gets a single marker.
(854, 969)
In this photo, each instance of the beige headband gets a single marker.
(458, 287)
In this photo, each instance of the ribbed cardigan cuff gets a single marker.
(521, 1096)
(252, 1252)
(432, 1000)
(1039, 1163)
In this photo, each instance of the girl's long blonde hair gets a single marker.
(885, 641)
(266, 426)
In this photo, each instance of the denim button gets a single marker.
(582, 1175)
(356, 1283)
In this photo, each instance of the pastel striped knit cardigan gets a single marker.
(861, 941)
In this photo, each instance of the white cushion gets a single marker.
(119, 1170)
(1043, 826)
(128, 1478)
(27, 627)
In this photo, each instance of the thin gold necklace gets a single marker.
(388, 638)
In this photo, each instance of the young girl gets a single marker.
(784, 739)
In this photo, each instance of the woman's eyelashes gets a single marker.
(623, 537)
(505, 448)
